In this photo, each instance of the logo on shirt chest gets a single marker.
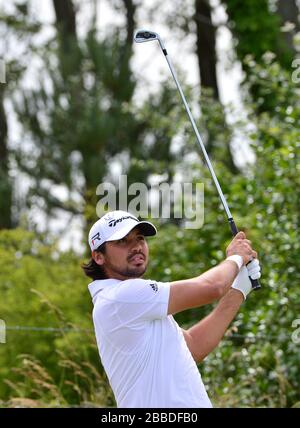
(154, 287)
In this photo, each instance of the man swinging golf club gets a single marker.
(149, 360)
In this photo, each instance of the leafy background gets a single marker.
(79, 119)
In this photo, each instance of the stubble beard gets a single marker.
(134, 272)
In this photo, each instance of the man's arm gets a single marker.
(204, 289)
(204, 336)
(212, 284)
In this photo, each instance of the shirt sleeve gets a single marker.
(142, 300)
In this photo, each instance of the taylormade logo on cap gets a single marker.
(115, 225)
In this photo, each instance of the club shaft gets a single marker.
(255, 283)
(207, 160)
(147, 36)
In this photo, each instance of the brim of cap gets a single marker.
(146, 228)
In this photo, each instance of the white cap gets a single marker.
(115, 225)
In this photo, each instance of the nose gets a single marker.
(137, 245)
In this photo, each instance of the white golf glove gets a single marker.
(242, 281)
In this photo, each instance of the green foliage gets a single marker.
(42, 288)
(257, 364)
(91, 114)
(256, 29)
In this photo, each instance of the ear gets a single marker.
(99, 258)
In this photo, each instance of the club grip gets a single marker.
(233, 227)
(255, 282)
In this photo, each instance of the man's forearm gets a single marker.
(204, 289)
(203, 337)
(222, 275)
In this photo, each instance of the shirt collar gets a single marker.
(96, 286)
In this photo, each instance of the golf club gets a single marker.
(142, 36)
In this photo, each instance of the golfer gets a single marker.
(149, 360)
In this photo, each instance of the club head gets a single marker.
(142, 36)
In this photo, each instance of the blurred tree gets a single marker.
(207, 59)
(14, 27)
(5, 182)
(206, 46)
(130, 8)
(288, 11)
(195, 17)
(257, 28)
(80, 116)
(80, 123)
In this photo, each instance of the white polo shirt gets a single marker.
(142, 349)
